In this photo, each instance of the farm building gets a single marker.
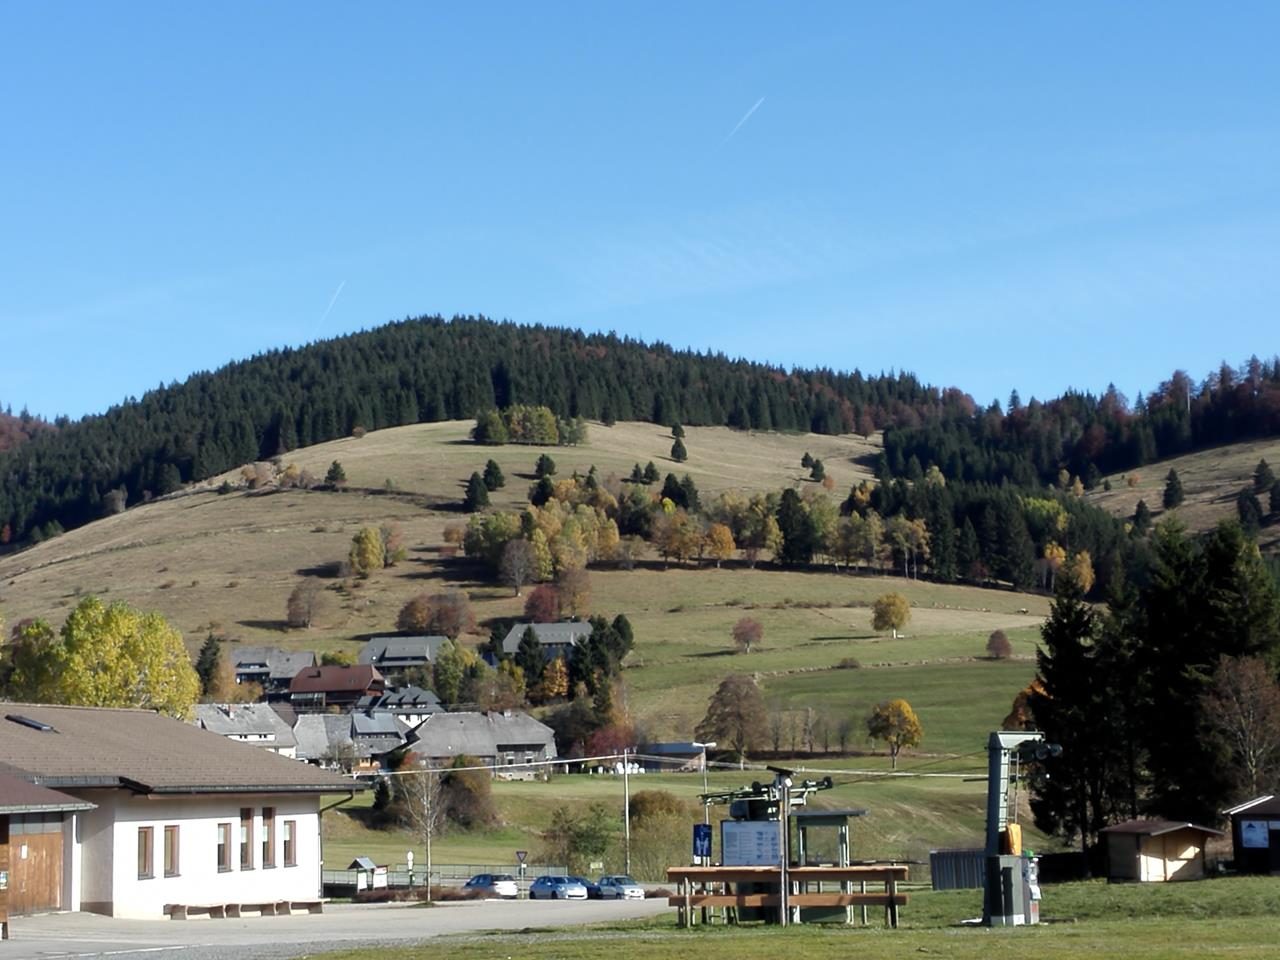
(1255, 835)
(1152, 851)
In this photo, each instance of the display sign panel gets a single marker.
(750, 843)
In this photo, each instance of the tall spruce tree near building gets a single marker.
(1172, 490)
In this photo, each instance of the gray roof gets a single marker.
(318, 733)
(394, 652)
(63, 747)
(244, 720)
(548, 634)
(478, 734)
(279, 664)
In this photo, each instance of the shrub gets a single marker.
(849, 663)
(998, 646)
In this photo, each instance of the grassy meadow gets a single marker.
(225, 563)
(1228, 917)
(1210, 481)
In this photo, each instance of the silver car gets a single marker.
(620, 887)
(557, 888)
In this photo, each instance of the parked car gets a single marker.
(620, 887)
(593, 889)
(494, 885)
(557, 888)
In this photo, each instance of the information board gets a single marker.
(750, 843)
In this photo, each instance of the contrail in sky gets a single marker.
(332, 301)
(745, 117)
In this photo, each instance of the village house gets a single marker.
(255, 723)
(506, 739)
(319, 688)
(410, 704)
(556, 639)
(679, 757)
(270, 668)
(350, 742)
(180, 815)
(395, 656)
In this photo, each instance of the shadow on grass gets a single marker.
(279, 626)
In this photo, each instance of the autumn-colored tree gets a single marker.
(719, 543)
(891, 611)
(574, 588)
(543, 563)
(337, 658)
(415, 614)
(301, 607)
(449, 614)
(106, 656)
(736, 717)
(393, 548)
(501, 689)
(367, 554)
(543, 604)
(555, 680)
(747, 633)
(895, 724)
(1054, 557)
(998, 646)
(1242, 709)
(1080, 569)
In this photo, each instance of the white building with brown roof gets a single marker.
(181, 816)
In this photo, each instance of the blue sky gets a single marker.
(993, 196)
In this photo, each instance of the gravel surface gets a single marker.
(68, 935)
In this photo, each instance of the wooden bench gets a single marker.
(182, 911)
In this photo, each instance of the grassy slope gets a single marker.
(227, 563)
(1210, 481)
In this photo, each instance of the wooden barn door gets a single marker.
(35, 882)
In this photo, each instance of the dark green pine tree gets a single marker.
(1172, 490)
(678, 453)
(969, 565)
(1141, 519)
(335, 476)
(797, 530)
(637, 474)
(477, 497)
(677, 431)
(807, 460)
(1273, 502)
(542, 491)
(651, 473)
(545, 467)
(530, 658)
(1249, 510)
(1263, 478)
(493, 477)
(1017, 552)
(207, 663)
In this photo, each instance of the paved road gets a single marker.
(68, 935)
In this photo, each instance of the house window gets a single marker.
(224, 847)
(171, 850)
(246, 838)
(145, 850)
(268, 836)
(291, 843)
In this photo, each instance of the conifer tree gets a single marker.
(336, 476)
(1172, 490)
(493, 477)
(477, 497)
(1263, 478)
(651, 473)
(678, 453)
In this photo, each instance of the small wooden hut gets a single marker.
(1255, 835)
(1153, 851)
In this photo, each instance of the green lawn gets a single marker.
(1233, 917)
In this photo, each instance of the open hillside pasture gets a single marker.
(1210, 481)
(225, 563)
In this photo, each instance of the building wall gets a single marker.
(1122, 857)
(111, 883)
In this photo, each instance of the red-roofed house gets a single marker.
(318, 688)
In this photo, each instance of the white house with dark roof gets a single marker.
(412, 704)
(181, 816)
(255, 723)
(557, 639)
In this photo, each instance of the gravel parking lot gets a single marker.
(86, 935)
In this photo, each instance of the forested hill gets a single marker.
(431, 369)
(418, 370)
